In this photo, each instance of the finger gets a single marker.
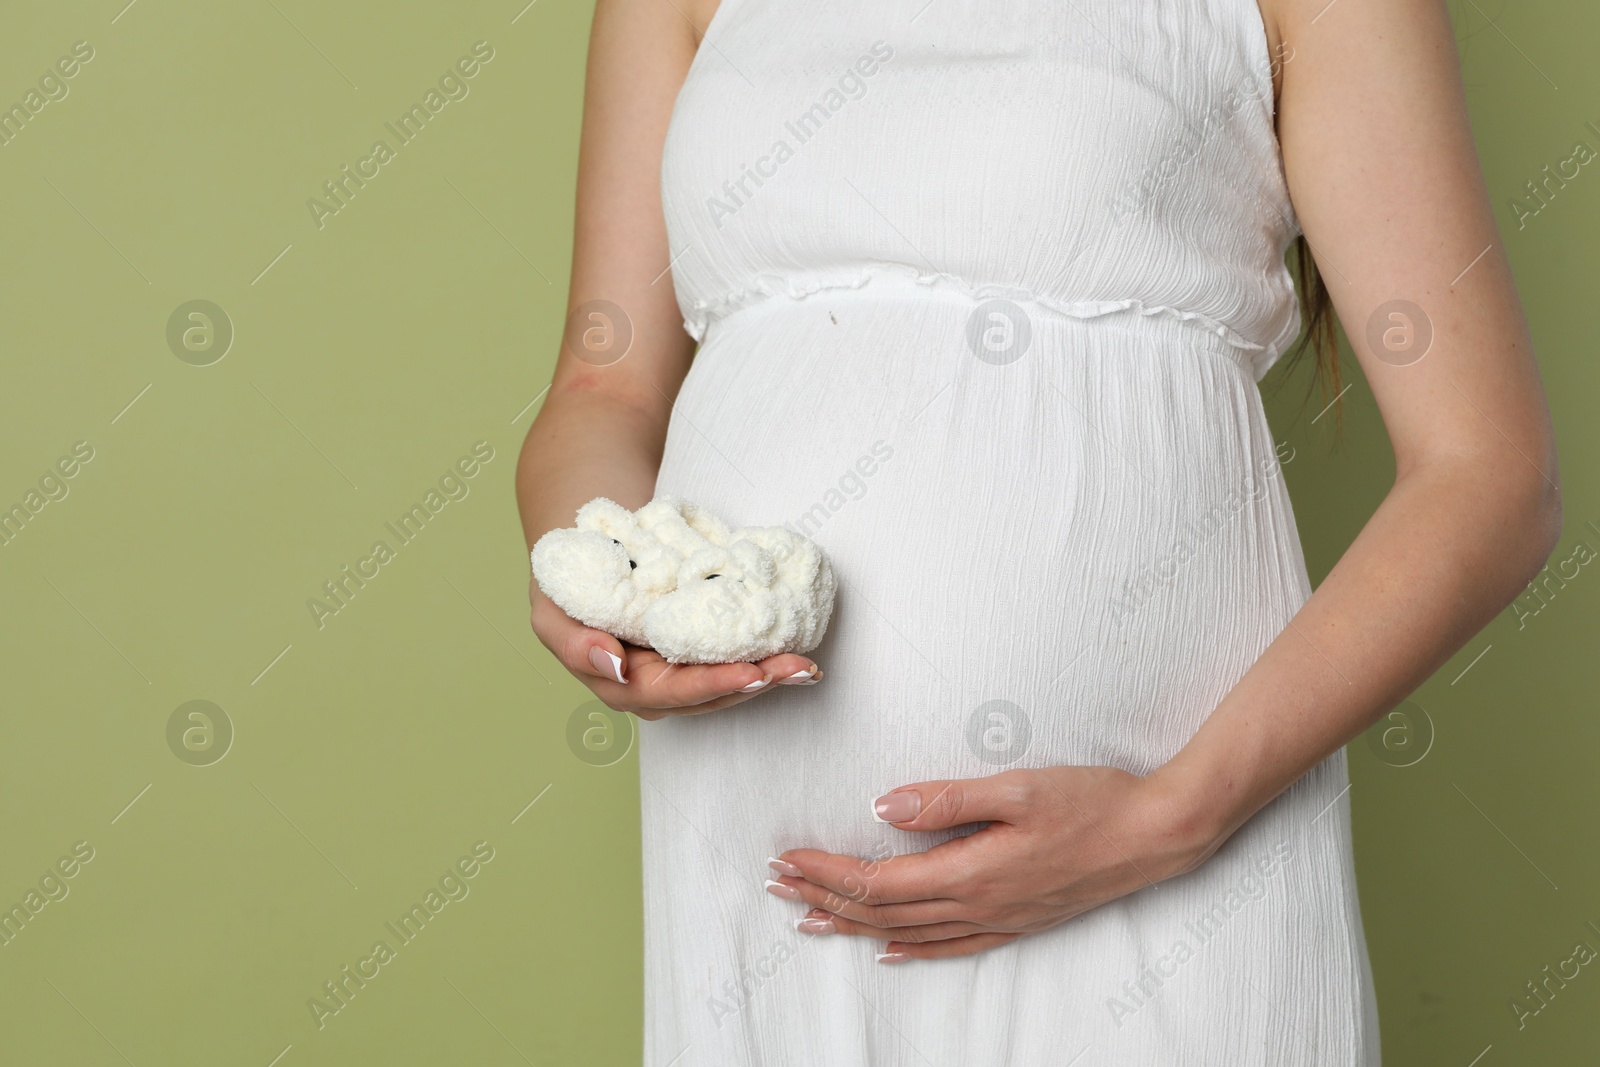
(820, 922)
(588, 653)
(791, 669)
(657, 688)
(901, 951)
(638, 680)
(692, 685)
(605, 656)
(653, 688)
(1000, 797)
(931, 875)
(686, 685)
(915, 913)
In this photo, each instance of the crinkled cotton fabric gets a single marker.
(983, 290)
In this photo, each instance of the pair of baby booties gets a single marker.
(673, 577)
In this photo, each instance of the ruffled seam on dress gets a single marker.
(764, 287)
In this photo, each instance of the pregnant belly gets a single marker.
(1067, 557)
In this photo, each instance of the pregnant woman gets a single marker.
(977, 294)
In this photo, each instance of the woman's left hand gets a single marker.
(1059, 842)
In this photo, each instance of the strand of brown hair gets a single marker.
(1320, 334)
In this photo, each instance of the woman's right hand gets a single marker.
(639, 681)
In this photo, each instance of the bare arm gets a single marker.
(603, 425)
(1386, 182)
(1384, 178)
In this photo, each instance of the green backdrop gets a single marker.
(190, 875)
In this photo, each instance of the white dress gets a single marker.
(983, 290)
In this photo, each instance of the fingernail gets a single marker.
(784, 867)
(808, 676)
(778, 889)
(814, 926)
(897, 807)
(606, 663)
(892, 957)
(757, 684)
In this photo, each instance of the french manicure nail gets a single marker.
(757, 684)
(897, 807)
(784, 867)
(606, 663)
(778, 889)
(892, 957)
(814, 926)
(805, 677)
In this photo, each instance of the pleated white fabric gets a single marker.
(984, 290)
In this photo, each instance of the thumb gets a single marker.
(941, 805)
(602, 655)
(583, 650)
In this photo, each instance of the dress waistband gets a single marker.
(699, 314)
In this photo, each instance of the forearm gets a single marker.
(1452, 544)
(583, 444)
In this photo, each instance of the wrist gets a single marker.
(1200, 804)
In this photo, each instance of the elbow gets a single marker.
(1540, 516)
(1548, 518)
(1547, 512)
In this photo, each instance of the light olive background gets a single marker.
(371, 753)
